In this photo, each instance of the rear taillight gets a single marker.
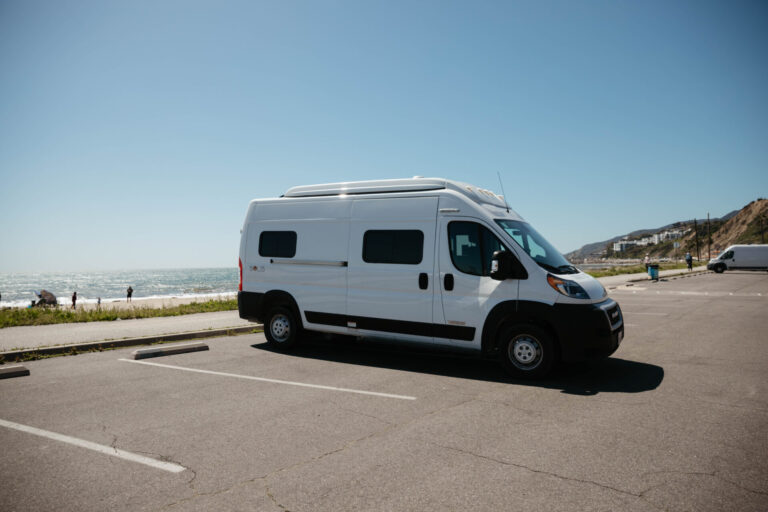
(240, 264)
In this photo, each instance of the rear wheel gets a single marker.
(282, 328)
(526, 351)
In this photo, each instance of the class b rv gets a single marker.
(740, 257)
(420, 260)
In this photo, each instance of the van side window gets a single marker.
(472, 246)
(393, 246)
(277, 244)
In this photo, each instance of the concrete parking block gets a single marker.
(17, 370)
(145, 353)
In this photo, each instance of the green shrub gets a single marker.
(14, 317)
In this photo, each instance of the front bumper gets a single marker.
(589, 331)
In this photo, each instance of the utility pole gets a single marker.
(709, 240)
(696, 234)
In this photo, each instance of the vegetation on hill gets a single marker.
(748, 226)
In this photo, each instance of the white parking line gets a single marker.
(107, 450)
(274, 381)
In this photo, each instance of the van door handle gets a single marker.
(423, 281)
(448, 282)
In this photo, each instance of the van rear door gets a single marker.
(390, 279)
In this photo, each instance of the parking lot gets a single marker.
(676, 420)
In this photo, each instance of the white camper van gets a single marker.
(741, 257)
(425, 260)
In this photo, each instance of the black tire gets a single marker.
(526, 351)
(282, 328)
(719, 269)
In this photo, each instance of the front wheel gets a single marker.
(719, 268)
(526, 351)
(281, 329)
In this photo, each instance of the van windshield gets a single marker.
(537, 247)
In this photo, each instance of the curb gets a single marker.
(17, 370)
(169, 350)
(28, 354)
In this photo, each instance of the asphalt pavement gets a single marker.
(676, 420)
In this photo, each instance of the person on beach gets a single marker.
(74, 300)
(98, 303)
(130, 292)
(689, 261)
(647, 261)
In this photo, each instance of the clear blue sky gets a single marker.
(133, 134)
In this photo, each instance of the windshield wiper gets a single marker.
(567, 269)
(548, 267)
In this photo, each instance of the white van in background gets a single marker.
(426, 260)
(741, 257)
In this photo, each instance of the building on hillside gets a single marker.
(669, 234)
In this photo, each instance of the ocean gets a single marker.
(18, 289)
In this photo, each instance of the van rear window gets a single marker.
(393, 246)
(277, 244)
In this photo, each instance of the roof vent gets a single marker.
(417, 177)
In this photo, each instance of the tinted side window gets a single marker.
(393, 246)
(277, 244)
(472, 246)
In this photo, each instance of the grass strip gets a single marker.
(635, 269)
(16, 317)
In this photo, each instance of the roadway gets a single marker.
(676, 420)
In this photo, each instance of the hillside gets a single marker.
(739, 226)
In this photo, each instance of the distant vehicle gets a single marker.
(741, 257)
(423, 260)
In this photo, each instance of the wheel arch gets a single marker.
(512, 312)
(280, 298)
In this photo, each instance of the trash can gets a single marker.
(653, 271)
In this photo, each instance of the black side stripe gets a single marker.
(453, 332)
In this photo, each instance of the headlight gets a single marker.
(568, 288)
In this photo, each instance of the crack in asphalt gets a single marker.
(542, 472)
(268, 492)
(363, 414)
(272, 497)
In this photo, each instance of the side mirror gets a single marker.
(504, 265)
(501, 265)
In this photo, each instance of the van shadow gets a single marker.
(611, 375)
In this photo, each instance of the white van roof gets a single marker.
(416, 184)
